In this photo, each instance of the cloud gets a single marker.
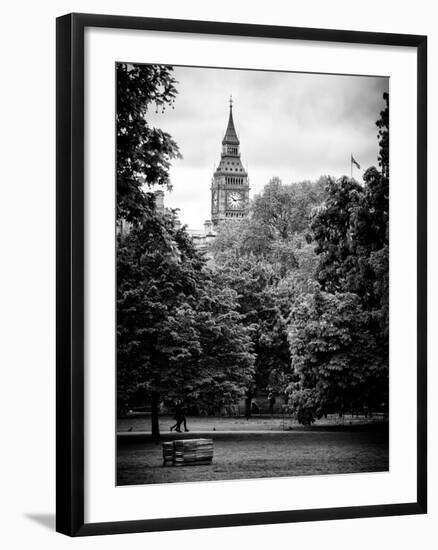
(294, 125)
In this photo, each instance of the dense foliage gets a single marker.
(144, 153)
(383, 134)
(338, 335)
(179, 334)
(284, 210)
(267, 260)
(337, 363)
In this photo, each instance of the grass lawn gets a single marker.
(252, 455)
(142, 423)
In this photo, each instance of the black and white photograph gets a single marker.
(252, 274)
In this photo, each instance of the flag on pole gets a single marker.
(353, 161)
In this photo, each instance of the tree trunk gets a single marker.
(154, 417)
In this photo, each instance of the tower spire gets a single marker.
(230, 133)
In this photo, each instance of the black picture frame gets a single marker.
(70, 273)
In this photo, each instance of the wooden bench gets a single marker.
(188, 452)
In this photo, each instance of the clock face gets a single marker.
(235, 200)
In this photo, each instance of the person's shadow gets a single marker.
(46, 520)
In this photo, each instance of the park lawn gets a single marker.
(262, 455)
(142, 423)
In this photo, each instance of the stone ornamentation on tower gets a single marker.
(230, 182)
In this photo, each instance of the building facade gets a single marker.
(202, 237)
(230, 182)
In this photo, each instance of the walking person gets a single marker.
(180, 418)
(271, 399)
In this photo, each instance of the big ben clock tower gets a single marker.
(230, 182)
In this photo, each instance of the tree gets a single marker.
(339, 337)
(286, 209)
(144, 153)
(155, 270)
(351, 231)
(226, 365)
(352, 226)
(337, 364)
(179, 334)
(351, 236)
(383, 137)
(254, 281)
(239, 238)
(332, 227)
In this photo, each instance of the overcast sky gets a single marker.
(292, 125)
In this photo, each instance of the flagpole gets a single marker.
(351, 165)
